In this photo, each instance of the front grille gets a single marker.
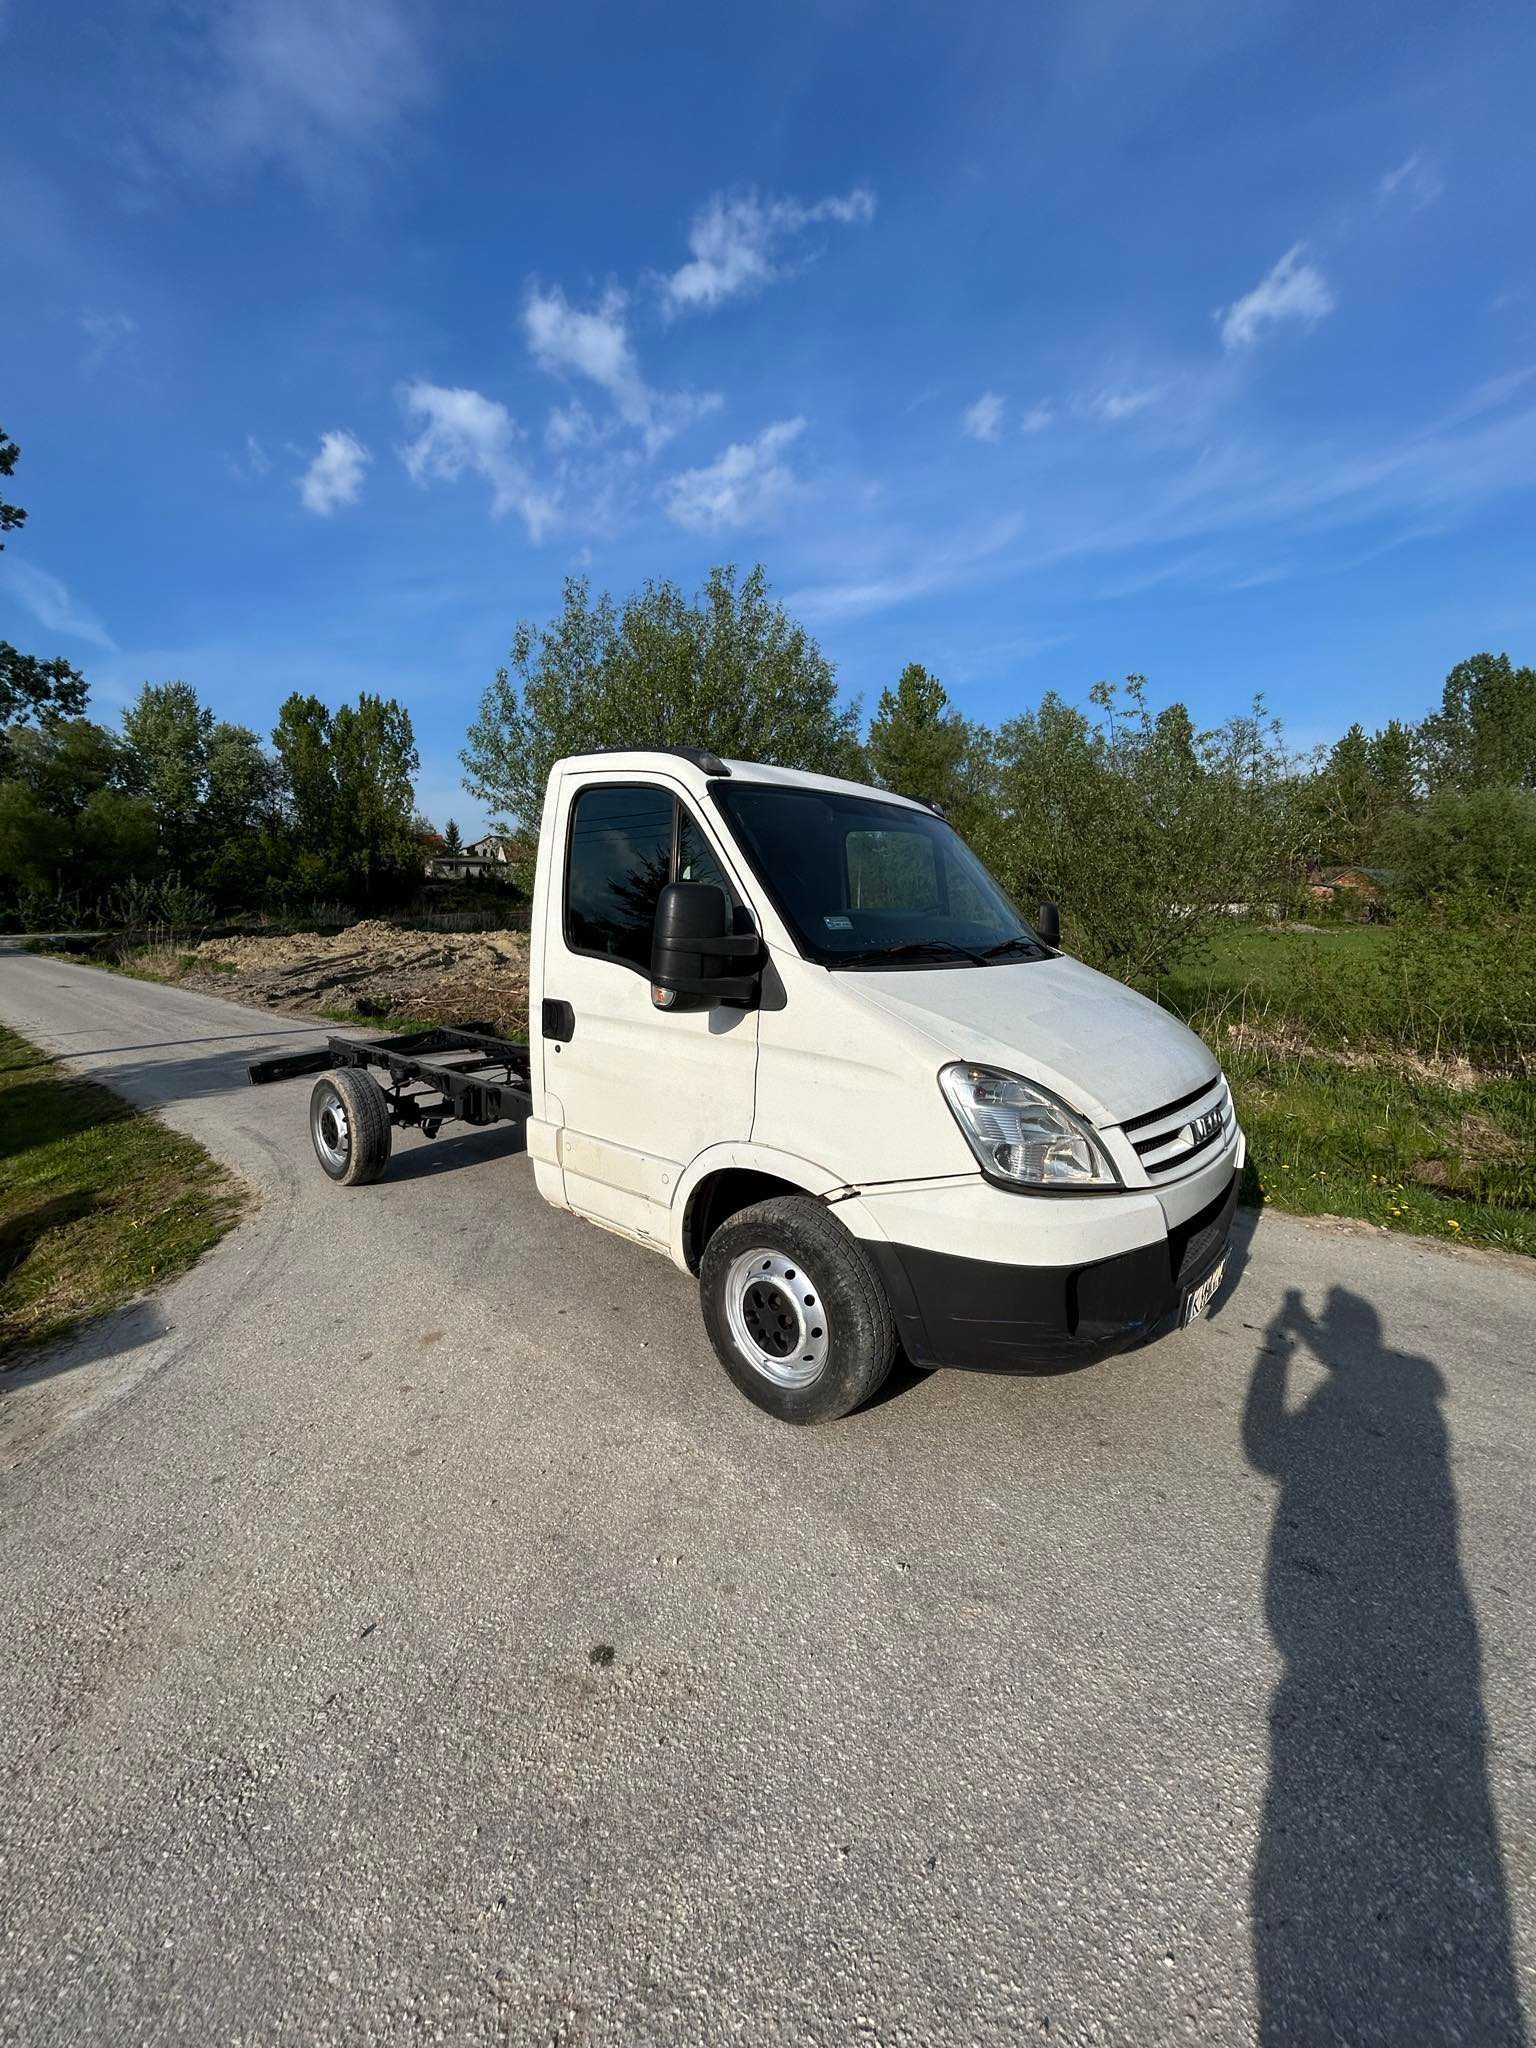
(1171, 1140)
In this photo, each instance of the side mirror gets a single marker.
(694, 950)
(1048, 924)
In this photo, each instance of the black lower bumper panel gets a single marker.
(997, 1318)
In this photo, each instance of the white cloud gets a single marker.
(105, 333)
(464, 430)
(744, 486)
(1113, 406)
(1038, 418)
(735, 242)
(1293, 290)
(1417, 181)
(571, 426)
(50, 603)
(335, 477)
(308, 85)
(983, 421)
(257, 460)
(593, 342)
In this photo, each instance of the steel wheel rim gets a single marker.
(333, 1133)
(776, 1317)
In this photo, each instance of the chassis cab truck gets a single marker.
(788, 1031)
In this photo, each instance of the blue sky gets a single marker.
(1036, 343)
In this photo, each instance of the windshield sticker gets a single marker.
(838, 924)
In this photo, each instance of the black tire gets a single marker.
(824, 1336)
(349, 1126)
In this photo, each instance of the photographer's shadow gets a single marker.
(1380, 1910)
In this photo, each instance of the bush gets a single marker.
(1472, 855)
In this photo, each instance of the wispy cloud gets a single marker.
(1293, 290)
(253, 462)
(1234, 489)
(463, 431)
(50, 602)
(746, 485)
(1112, 406)
(106, 335)
(1417, 182)
(311, 87)
(983, 421)
(737, 242)
(594, 342)
(925, 571)
(1038, 418)
(335, 476)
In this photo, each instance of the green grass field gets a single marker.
(97, 1200)
(1358, 1102)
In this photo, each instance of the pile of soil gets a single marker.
(374, 968)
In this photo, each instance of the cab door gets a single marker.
(641, 1091)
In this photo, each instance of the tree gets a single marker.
(1469, 851)
(728, 670)
(11, 516)
(168, 732)
(306, 776)
(452, 841)
(347, 794)
(68, 818)
(1484, 733)
(1143, 828)
(31, 688)
(1394, 762)
(375, 760)
(919, 746)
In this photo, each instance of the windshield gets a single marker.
(863, 883)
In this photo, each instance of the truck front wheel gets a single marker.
(795, 1311)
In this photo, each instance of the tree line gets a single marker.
(180, 814)
(1146, 827)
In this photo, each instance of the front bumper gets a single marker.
(992, 1317)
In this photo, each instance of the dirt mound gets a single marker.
(375, 968)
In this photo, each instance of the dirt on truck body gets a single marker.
(373, 968)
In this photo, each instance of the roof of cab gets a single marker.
(678, 762)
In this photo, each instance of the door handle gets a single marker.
(558, 1020)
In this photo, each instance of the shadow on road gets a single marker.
(1380, 1909)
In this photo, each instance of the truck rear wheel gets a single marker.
(349, 1126)
(795, 1311)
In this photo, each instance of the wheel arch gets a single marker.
(731, 1177)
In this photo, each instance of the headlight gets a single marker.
(1023, 1135)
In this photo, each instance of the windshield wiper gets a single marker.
(1021, 940)
(913, 949)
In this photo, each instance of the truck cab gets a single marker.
(787, 1030)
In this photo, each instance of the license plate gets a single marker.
(1199, 1299)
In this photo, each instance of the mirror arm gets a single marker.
(743, 990)
(733, 946)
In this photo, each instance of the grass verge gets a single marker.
(1389, 1147)
(97, 1200)
(1360, 1099)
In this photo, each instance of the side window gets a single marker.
(696, 860)
(620, 859)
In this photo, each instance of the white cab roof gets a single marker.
(645, 760)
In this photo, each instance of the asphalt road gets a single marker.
(407, 1634)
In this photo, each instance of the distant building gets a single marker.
(1323, 884)
(488, 856)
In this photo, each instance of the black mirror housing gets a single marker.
(1048, 924)
(694, 952)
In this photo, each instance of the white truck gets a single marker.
(789, 1032)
